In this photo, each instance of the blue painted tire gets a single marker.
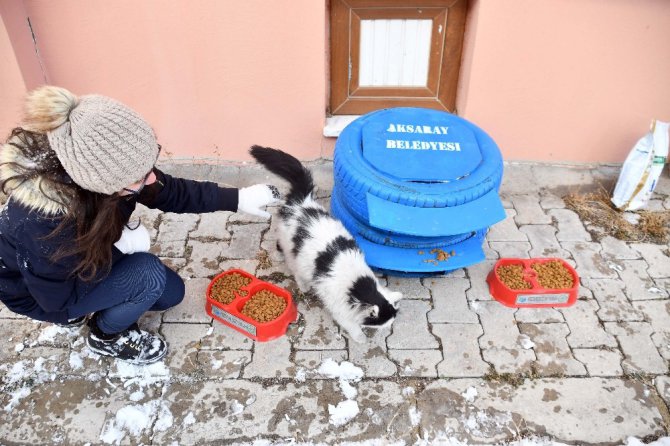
(355, 177)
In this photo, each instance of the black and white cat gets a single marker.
(323, 256)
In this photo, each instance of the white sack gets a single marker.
(642, 169)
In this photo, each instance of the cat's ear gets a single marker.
(394, 297)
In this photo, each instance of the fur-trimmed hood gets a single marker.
(36, 193)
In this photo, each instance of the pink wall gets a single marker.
(563, 80)
(212, 77)
(567, 80)
(11, 86)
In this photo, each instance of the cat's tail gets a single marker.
(289, 168)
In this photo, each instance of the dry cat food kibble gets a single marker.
(223, 290)
(512, 277)
(264, 306)
(553, 275)
(441, 254)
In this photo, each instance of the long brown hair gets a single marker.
(98, 218)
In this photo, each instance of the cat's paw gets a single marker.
(359, 338)
(302, 286)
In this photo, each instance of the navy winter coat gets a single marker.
(32, 285)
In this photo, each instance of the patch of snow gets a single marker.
(414, 416)
(165, 418)
(471, 422)
(129, 419)
(374, 418)
(344, 370)
(87, 353)
(632, 441)
(18, 348)
(17, 372)
(443, 439)
(525, 342)
(536, 441)
(216, 364)
(39, 365)
(481, 423)
(136, 396)
(236, 407)
(141, 376)
(632, 217)
(17, 396)
(408, 391)
(189, 419)
(470, 394)
(22, 372)
(348, 390)
(76, 362)
(289, 420)
(374, 442)
(94, 377)
(48, 334)
(344, 412)
(57, 438)
(301, 375)
(614, 267)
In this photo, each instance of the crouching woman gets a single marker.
(73, 172)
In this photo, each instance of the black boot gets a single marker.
(132, 345)
(74, 323)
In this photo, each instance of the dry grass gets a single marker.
(596, 208)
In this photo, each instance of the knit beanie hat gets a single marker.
(103, 145)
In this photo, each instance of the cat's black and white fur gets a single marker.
(323, 256)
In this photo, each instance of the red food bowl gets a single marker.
(536, 296)
(231, 314)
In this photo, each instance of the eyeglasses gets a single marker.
(134, 193)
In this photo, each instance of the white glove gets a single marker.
(252, 198)
(134, 240)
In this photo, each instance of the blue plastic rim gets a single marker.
(407, 259)
(341, 210)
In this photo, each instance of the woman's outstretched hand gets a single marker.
(253, 198)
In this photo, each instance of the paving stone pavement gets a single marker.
(455, 365)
